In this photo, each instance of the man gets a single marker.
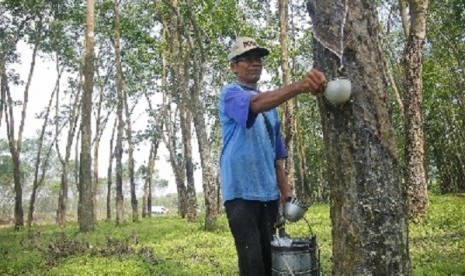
(252, 171)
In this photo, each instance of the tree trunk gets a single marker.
(413, 98)
(119, 111)
(3, 88)
(177, 89)
(288, 117)
(147, 198)
(196, 106)
(191, 201)
(132, 182)
(86, 214)
(96, 146)
(404, 17)
(62, 196)
(302, 187)
(15, 144)
(209, 176)
(110, 170)
(368, 201)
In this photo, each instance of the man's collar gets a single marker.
(246, 87)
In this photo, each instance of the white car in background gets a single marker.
(159, 210)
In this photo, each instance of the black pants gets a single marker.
(252, 226)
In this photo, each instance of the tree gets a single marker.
(119, 114)
(288, 117)
(110, 169)
(86, 205)
(368, 203)
(15, 142)
(413, 98)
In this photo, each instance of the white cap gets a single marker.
(246, 44)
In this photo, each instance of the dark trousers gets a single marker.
(252, 226)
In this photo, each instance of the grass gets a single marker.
(167, 245)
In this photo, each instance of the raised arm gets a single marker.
(314, 82)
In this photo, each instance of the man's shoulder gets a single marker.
(231, 86)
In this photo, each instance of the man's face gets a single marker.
(248, 67)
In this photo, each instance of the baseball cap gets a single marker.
(246, 44)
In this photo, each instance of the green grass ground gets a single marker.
(170, 246)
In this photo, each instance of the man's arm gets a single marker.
(313, 82)
(283, 184)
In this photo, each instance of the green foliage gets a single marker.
(169, 246)
(438, 241)
(443, 95)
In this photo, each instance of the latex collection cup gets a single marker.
(338, 91)
(294, 209)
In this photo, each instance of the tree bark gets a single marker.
(147, 199)
(413, 98)
(132, 181)
(209, 174)
(191, 201)
(119, 112)
(110, 170)
(86, 213)
(368, 201)
(288, 116)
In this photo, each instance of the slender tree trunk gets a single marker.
(288, 117)
(196, 106)
(191, 202)
(86, 218)
(404, 16)
(15, 144)
(63, 196)
(132, 182)
(368, 200)
(300, 189)
(175, 91)
(120, 106)
(96, 146)
(3, 88)
(146, 201)
(413, 98)
(110, 170)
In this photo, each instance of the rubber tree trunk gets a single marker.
(86, 214)
(413, 98)
(368, 200)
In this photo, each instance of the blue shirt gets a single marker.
(251, 144)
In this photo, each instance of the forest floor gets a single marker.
(167, 245)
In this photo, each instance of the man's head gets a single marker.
(246, 59)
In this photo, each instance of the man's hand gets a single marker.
(314, 82)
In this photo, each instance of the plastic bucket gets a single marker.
(301, 258)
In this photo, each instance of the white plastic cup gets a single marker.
(338, 91)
